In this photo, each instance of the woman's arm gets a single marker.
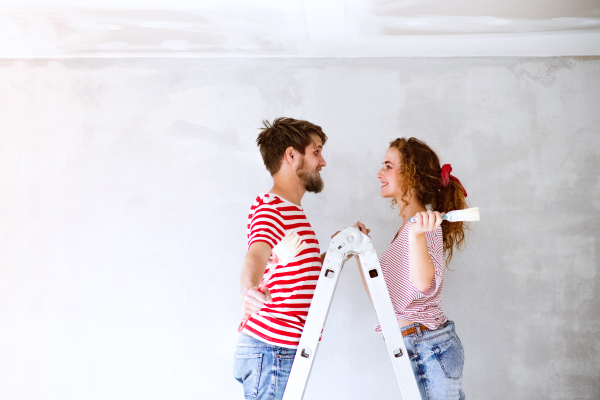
(361, 227)
(422, 269)
(362, 276)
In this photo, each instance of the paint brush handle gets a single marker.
(244, 322)
(464, 215)
(444, 217)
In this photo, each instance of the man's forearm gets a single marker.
(254, 265)
(252, 273)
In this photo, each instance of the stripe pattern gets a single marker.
(409, 303)
(292, 285)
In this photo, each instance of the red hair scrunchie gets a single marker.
(446, 176)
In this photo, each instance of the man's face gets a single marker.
(311, 163)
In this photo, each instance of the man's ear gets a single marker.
(290, 155)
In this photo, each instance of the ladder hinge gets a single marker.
(305, 353)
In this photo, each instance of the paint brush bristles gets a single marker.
(468, 214)
(289, 247)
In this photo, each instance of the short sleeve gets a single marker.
(266, 225)
(435, 247)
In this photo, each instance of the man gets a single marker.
(291, 150)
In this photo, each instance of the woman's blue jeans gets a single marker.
(262, 368)
(437, 358)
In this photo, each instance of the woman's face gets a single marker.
(389, 175)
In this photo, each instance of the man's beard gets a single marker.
(311, 180)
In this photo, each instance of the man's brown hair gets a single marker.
(283, 133)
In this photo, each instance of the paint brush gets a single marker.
(290, 246)
(468, 214)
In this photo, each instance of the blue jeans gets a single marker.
(262, 368)
(437, 358)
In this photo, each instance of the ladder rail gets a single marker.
(350, 242)
(317, 315)
(389, 326)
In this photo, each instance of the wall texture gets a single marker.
(125, 185)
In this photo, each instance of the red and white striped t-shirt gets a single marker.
(292, 286)
(409, 303)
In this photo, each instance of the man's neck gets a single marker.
(289, 189)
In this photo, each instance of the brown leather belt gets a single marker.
(412, 330)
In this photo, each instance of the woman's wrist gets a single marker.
(415, 236)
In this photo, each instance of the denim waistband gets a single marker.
(250, 341)
(443, 328)
(246, 340)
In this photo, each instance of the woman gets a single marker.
(413, 265)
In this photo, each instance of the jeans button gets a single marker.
(277, 355)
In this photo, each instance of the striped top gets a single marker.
(409, 303)
(292, 285)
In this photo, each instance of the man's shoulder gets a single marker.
(267, 200)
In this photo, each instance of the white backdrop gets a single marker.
(125, 186)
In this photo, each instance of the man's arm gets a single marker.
(253, 270)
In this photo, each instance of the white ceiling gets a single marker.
(305, 28)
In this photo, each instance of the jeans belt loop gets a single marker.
(419, 334)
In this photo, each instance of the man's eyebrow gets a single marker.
(318, 145)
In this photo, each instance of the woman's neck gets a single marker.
(413, 207)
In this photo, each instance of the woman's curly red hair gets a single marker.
(420, 170)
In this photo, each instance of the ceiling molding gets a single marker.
(308, 28)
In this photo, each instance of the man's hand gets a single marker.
(253, 299)
(252, 275)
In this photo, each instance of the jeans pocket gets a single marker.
(451, 358)
(246, 370)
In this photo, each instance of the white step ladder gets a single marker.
(348, 242)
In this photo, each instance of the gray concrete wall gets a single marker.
(125, 185)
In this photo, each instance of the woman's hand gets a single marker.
(425, 221)
(358, 225)
(361, 227)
